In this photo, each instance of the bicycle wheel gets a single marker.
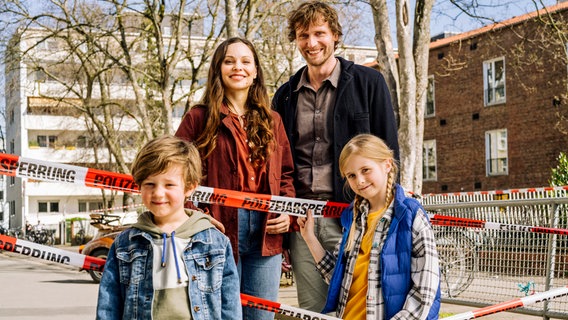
(458, 261)
(79, 238)
(49, 239)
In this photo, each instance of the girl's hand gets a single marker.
(307, 225)
(280, 224)
(307, 231)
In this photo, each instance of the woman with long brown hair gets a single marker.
(244, 147)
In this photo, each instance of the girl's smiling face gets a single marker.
(368, 178)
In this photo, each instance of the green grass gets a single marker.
(445, 314)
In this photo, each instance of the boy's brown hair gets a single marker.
(313, 12)
(160, 153)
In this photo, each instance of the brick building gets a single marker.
(497, 116)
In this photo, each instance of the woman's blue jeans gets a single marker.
(260, 276)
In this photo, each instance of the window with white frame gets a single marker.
(12, 205)
(496, 157)
(12, 151)
(49, 44)
(86, 206)
(46, 141)
(429, 160)
(48, 206)
(430, 109)
(494, 81)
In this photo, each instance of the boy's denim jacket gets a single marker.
(126, 289)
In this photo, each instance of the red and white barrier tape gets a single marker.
(12, 165)
(511, 304)
(497, 192)
(65, 257)
(449, 221)
(258, 303)
(56, 172)
(52, 254)
(132, 206)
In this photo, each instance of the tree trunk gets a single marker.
(386, 57)
(421, 52)
(231, 18)
(408, 80)
(407, 107)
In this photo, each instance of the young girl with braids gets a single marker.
(386, 264)
(244, 147)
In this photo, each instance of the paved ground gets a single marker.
(288, 296)
(34, 290)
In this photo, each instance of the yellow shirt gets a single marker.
(356, 307)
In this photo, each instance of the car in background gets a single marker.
(109, 227)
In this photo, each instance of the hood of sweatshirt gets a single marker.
(197, 222)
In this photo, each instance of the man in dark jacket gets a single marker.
(322, 106)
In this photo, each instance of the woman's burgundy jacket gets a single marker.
(220, 171)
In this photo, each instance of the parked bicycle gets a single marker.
(40, 235)
(458, 260)
(79, 238)
(15, 232)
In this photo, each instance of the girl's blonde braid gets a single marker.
(351, 238)
(390, 185)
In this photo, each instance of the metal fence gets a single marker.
(482, 267)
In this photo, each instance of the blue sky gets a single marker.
(446, 17)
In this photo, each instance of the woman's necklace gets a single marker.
(240, 116)
(234, 110)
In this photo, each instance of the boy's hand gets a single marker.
(281, 224)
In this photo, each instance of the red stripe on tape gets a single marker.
(245, 298)
(7, 243)
(92, 263)
(507, 305)
(8, 164)
(110, 180)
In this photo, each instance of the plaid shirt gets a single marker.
(424, 269)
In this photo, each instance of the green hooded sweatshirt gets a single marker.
(170, 279)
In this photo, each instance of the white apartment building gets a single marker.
(42, 124)
(42, 128)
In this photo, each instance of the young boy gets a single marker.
(173, 263)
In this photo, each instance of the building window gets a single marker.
(86, 206)
(12, 151)
(429, 160)
(38, 75)
(430, 109)
(46, 141)
(12, 205)
(49, 45)
(84, 142)
(494, 81)
(48, 206)
(496, 152)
